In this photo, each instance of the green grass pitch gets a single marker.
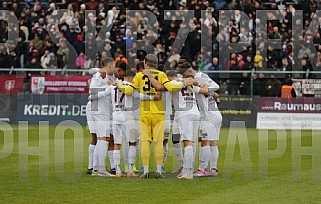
(71, 184)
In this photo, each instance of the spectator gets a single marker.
(4, 57)
(287, 90)
(258, 58)
(45, 59)
(214, 66)
(63, 4)
(33, 64)
(79, 44)
(15, 8)
(62, 54)
(92, 5)
(80, 61)
(275, 34)
(307, 67)
(101, 8)
(52, 64)
(5, 6)
(88, 63)
(246, 77)
(37, 43)
(234, 81)
(304, 51)
(52, 8)
(273, 87)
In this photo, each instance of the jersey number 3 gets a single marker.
(148, 84)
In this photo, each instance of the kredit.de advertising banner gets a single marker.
(51, 107)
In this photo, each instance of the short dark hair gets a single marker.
(139, 65)
(130, 73)
(171, 73)
(106, 61)
(184, 67)
(122, 66)
(184, 59)
(188, 76)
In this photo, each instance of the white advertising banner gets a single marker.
(295, 114)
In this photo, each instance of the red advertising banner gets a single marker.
(11, 84)
(307, 87)
(59, 84)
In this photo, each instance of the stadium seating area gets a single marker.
(37, 49)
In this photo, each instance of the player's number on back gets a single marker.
(148, 84)
(116, 96)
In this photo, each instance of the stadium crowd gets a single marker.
(37, 49)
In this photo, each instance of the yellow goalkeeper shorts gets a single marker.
(152, 127)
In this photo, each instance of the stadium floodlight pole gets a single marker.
(185, 16)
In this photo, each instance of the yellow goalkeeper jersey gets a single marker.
(144, 85)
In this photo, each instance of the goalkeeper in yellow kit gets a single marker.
(152, 113)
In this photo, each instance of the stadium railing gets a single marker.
(305, 74)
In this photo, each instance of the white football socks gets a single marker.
(165, 153)
(131, 158)
(214, 157)
(102, 154)
(194, 154)
(111, 159)
(117, 160)
(91, 149)
(159, 168)
(96, 156)
(125, 147)
(188, 159)
(146, 169)
(179, 154)
(204, 157)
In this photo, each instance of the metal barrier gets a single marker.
(251, 72)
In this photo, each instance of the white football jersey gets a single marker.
(206, 103)
(185, 101)
(204, 79)
(100, 106)
(118, 103)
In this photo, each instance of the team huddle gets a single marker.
(130, 110)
